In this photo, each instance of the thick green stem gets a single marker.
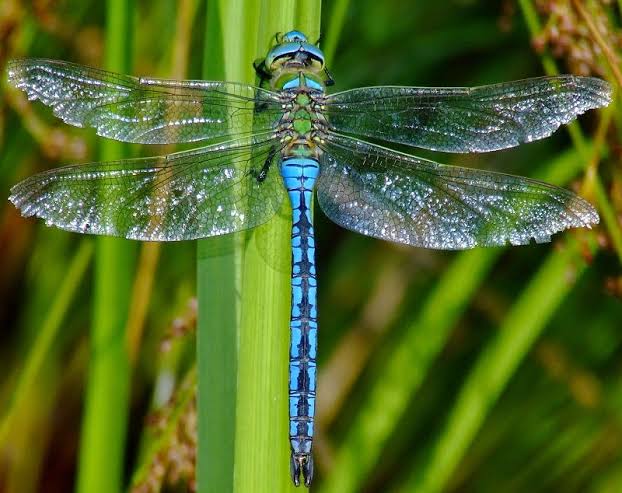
(102, 446)
(47, 334)
(218, 286)
(495, 366)
(335, 24)
(244, 302)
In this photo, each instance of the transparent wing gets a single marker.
(405, 199)
(144, 110)
(464, 119)
(187, 195)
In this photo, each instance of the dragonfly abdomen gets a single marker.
(299, 176)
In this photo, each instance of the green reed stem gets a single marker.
(47, 333)
(263, 396)
(218, 286)
(102, 446)
(495, 366)
(243, 334)
(336, 21)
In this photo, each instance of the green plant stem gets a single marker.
(47, 334)
(264, 336)
(243, 365)
(101, 456)
(261, 420)
(335, 25)
(218, 287)
(496, 364)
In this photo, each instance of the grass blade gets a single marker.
(264, 335)
(496, 365)
(218, 285)
(243, 366)
(47, 335)
(103, 436)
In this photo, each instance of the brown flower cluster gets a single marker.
(174, 462)
(567, 36)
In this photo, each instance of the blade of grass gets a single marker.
(496, 364)
(47, 334)
(263, 347)
(218, 286)
(102, 445)
(250, 426)
(412, 354)
(262, 448)
(335, 25)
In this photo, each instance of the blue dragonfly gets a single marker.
(289, 139)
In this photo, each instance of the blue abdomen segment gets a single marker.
(299, 176)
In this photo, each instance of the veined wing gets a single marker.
(205, 192)
(145, 110)
(393, 196)
(464, 119)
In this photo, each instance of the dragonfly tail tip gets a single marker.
(301, 465)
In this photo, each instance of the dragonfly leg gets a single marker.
(329, 78)
(263, 172)
(261, 70)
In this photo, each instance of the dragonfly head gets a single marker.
(291, 52)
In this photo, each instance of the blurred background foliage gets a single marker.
(483, 371)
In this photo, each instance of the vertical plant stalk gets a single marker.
(335, 25)
(497, 363)
(218, 286)
(262, 448)
(243, 335)
(47, 335)
(104, 425)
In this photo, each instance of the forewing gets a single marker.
(464, 119)
(183, 196)
(145, 110)
(401, 198)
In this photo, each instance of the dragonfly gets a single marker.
(288, 138)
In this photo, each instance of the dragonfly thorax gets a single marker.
(303, 124)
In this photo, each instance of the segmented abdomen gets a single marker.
(299, 175)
